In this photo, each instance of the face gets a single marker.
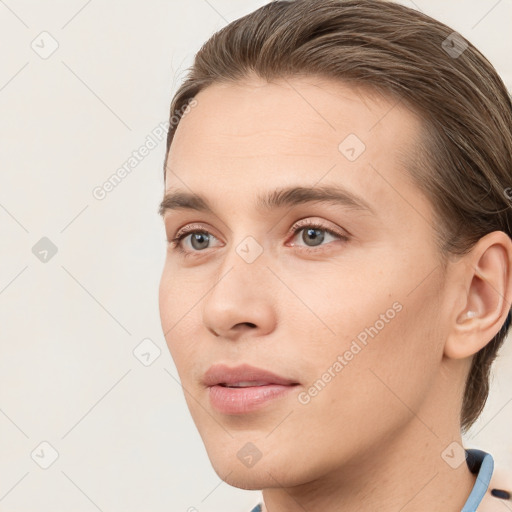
(342, 296)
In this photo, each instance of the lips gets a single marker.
(242, 376)
(245, 389)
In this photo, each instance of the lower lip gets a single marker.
(243, 400)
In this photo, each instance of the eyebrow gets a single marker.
(280, 198)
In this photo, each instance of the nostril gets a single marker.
(241, 325)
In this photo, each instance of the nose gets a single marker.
(240, 302)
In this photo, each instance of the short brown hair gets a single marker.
(463, 161)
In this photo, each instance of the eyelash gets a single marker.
(176, 242)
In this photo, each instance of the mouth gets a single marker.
(251, 384)
(245, 388)
(243, 375)
(245, 397)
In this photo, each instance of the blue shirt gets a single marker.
(481, 464)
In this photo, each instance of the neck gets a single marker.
(405, 473)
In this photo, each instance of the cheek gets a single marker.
(178, 316)
(374, 387)
(374, 346)
(178, 296)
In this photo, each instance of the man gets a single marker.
(339, 271)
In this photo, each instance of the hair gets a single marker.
(463, 159)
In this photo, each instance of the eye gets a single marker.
(314, 232)
(199, 239)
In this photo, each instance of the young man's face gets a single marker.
(356, 318)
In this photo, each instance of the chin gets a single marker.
(265, 473)
(247, 481)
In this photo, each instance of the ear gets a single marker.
(485, 296)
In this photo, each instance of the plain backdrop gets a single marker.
(92, 416)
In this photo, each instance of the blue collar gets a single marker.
(479, 463)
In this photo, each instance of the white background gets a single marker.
(68, 327)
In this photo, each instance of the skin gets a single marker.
(373, 437)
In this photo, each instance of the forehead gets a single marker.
(254, 135)
(311, 107)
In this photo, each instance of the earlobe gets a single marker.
(486, 296)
